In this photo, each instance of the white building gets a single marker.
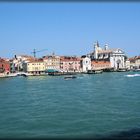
(127, 64)
(115, 56)
(86, 63)
(18, 61)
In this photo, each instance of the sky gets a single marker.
(67, 28)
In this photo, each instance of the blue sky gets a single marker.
(68, 28)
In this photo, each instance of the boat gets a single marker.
(24, 75)
(55, 74)
(121, 70)
(8, 75)
(94, 71)
(98, 71)
(70, 77)
(108, 70)
(136, 70)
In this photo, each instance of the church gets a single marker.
(116, 57)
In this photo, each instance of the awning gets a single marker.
(51, 70)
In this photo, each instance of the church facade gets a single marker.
(116, 57)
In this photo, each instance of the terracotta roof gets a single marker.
(99, 62)
(51, 56)
(35, 61)
(134, 58)
(67, 58)
(4, 60)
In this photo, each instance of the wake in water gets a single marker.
(132, 75)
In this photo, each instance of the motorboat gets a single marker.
(70, 77)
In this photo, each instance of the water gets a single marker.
(50, 107)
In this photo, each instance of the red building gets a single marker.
(4, 66)
(100, 65)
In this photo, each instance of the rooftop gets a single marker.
(99, 62)
(68, 58)
(134, 58)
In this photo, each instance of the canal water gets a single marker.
(90, 106)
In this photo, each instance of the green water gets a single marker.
(88, 106)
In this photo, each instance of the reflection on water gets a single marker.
(37, 77)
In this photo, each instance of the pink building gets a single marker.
(70, 64)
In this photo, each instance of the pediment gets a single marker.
(118, 51)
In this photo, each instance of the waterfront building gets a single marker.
(100, 65)
(135, 62)
(70, 64)
(116, 57)
(127, 64)
(86, 63)
(4, 66)
(17, 62)
(52, 62)
(35, 67)
(132, 62)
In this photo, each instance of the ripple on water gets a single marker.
(90, 105)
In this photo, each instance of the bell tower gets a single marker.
(106, 46)
(96, 46)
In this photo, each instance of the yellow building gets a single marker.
(35, 67)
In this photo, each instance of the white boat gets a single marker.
(11, 75)
(24, 74)
(8, 75)
(121, 70)
(94, 71)
(136, 70)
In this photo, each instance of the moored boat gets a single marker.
(94, 71)
(121, 70)
(136, 70)
(8, 75)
